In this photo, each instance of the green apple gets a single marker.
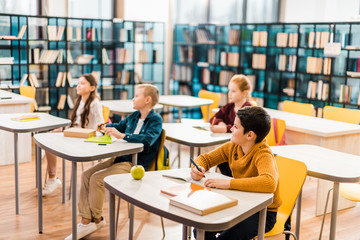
(137, 172)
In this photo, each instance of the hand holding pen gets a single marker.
(198, 172)
(100, 127)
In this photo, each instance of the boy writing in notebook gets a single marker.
(143, 126)
(253, 168)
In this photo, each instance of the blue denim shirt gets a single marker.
(150, 136)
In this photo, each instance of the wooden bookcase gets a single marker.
(57, 50)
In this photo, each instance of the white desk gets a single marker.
(339, 136)
(14, 103)
(45, 123)
(185, 101)
(124, 107)
(188, 135)
(76, 150)
(145, 193)
(325, 164)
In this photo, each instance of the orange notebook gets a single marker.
(203, 202)
(185, 188)
(26, 118)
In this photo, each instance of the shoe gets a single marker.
(83, 230)
(50, 186)
(101, 223)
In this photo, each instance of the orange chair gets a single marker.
(342, 114)
(299, 108)
(276, 139)
(209, 95)
(106, 113)
(29, 91)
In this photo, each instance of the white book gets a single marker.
(23, 79)
(325, 91)
(319, 89)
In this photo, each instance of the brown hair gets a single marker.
(150, 91)
(242, 82)
(85, 113)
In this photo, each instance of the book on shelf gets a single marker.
(33, 80)
(143, 56)
(281, 39)
(182, 73)
(149, 34)
(18, 37)
(311, 39)
(259, 38)
(223, 58)
(358, 101)
(345, 93)
(69, 58)
(70, 102)
(353, 74)
(123, 35)
(293, 40)
(205, 76)
(60, 33)
(234, 37)
(203, 202)
(186, 36)
(123, 77)
(78, 34)
(23, 79)
(318, 38)
(52, 32)
(225, 76)
(320, 84)
(211, 56)
(105, 57)
(258, 61)
(123, 55)
(351, 47)
(69, 33)
(204, 36)
(233, 59)
(310, 89)
(183, 188)
(325, 92)
(6, 60)
(61, 102)
(83, 58)
(332, 49)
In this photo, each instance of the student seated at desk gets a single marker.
(87, 113)
(143, 126)
(253, 167)
(239, 97)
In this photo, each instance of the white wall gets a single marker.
(150, 10)
(320, 10)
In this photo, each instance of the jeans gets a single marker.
(244, 230)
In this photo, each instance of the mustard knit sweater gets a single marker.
(256, 171)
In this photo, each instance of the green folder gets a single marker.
(103, 139)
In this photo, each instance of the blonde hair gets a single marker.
(150, 91)
(243, 83)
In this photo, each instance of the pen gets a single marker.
(213, 121)
(197, 167)
(103, 123)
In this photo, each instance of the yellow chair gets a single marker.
(209, 95)
(342, 114)
(292, 175)
(106, 113)
(29, 91)
(280, 126)
(299, 108)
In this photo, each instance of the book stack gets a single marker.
(318, 90)
(284, 65)
(316, 65)
(234, 37)
(182, 73)
(345, 93)
(258, 61)
(318, 38)
(293, 40)
(259, 38)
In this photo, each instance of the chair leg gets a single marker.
(323, 219)
(117, 216)
(162, 226)
(290, 233)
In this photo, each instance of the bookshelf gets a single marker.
(54, 51)
(285, 61)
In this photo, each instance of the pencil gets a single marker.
(197, 167)
(103, 123)
(213, 121)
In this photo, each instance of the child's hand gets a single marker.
(114, 132)
(217, 183)
(100, 127)
(196, 174)
(218, 128)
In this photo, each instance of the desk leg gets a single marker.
(131, 222)
(298, 215)
(208, 113)
(134, 159)
(39, 182)
(17, 200)
(200, 234)
(184, 232)
(112, 216)
(334, 210)
(64, 181)
(191, 153)
(180, 114)
(262, 221)
(73, 199)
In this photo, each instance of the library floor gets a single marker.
(57, 216)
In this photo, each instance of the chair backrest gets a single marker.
(209, 95)
(342, 114)
(299, 108)
(280, 132)
(28, 91)
(160, 154)
(292, 175)
(106, 113)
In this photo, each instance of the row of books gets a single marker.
(142, 35)
(63, 99)
(259, 38)
(287, 63)
(318, 90)
(204, 36)
(225, 76)
(345, 93)
(186, 54)
(318, 65)
(123, 55)
(234, 36)
(33, 80)
(61, 79)
(18, 37)
(318, 38)
(182, 73)
(229, 59)
(286, 39)
(55, 33)
(144, 56)
(46, 56)
(258, 61)
(105, 57)
(123, 76)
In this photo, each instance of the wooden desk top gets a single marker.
(75, 149)
(313, 125)
(322, 162)
(184, 101)
(145, 193)
(7, 98)
(190, 136)
(124, 106)
(45, 123)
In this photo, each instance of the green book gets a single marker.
(103, 139)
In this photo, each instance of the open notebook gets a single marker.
(101, 139)
(203, 202)
(184, 188)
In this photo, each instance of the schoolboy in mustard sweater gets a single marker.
(253, 167)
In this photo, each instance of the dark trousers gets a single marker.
(225, 169)
(244, 230)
